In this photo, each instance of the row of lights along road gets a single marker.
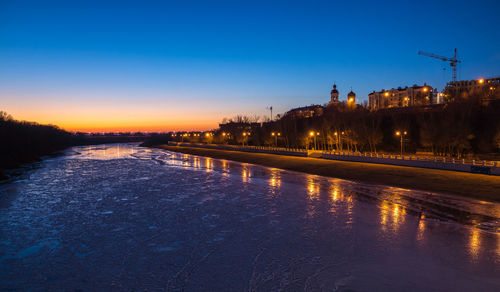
(312, 134)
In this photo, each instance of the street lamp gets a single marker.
(337, 137)
(404, 133)
(275, 135)
(245, 135)
(224, 136)
(314, 134)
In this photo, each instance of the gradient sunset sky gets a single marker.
(185, 65)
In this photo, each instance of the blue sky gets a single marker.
(147, 60)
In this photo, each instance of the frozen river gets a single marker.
(125, 218)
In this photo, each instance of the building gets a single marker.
(351, 99)
(305, 111)
(334, 98)
(334, 95)
(235, 128)
(402, 97)
(487, 89)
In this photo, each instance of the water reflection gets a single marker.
(196, 162)
(350, 209)
(245, 174)
(421, 228)
(275, 179)
(391, 216)
(209, 164)
(342, 203)
(107, 152)
(185, 161)
(334, 193)
(474, 243)
(225, 168)
(313, 189)
(325, 236)
(392, 213)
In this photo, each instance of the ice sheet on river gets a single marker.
(120, 217)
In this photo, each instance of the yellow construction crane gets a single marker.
(453, 61)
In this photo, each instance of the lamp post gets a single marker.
(316, 140)
(401, 134)
(337, 140)
(314, 134)
(341, 143)
(244, 137)
(224, 137)
(275, 135)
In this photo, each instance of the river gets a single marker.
(121, 217)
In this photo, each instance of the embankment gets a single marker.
(478, 186)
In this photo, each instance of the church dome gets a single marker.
(334, 90)
(351, 93)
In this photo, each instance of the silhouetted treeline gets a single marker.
(465, 127)
(23, 142)
(157, 139)
(106, 138)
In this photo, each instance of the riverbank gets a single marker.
(477, 186)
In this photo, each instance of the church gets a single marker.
(334, 97)
(317, 110)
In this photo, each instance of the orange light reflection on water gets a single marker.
(196, 162)
(391, 216)
(341, 202)
(106, 153)
(421, 228)
(312, 188)
(275, 179)
(208, 164)
(474, 243)
(225, 168)
(245, 174)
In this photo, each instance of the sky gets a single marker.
(186, 65)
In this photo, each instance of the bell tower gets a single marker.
(334, 94)
(351, 99)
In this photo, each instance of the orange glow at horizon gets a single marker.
(132, 125)
(117, 118)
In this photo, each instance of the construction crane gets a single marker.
(453, 61)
